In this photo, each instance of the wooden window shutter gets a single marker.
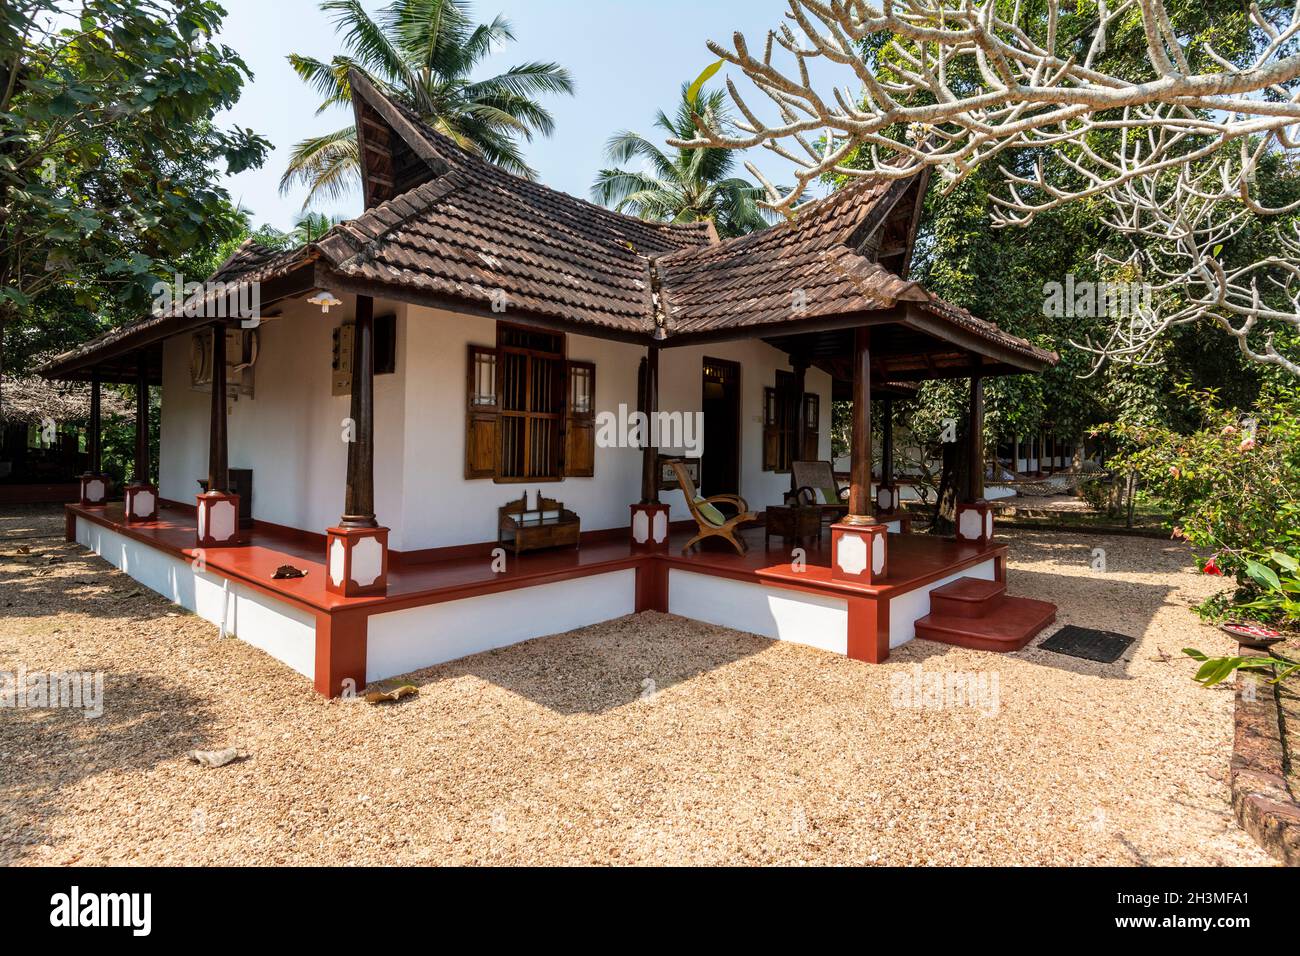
(482, 413)
(811, 426)
(771, 429)
(580, 421)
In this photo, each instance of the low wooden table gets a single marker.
(793, 523)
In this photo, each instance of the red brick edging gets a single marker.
(1264, 805)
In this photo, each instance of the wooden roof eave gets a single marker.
(78, 367)
(397, 292)
(995, 358)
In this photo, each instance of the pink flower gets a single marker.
(1173, 471)
(1247, 443)
(1212, 568)
(1229, 430)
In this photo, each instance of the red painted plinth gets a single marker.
(650, 527)
(218, 520)
(141, 503)
(869, 629)
(974, 520)
(340, 652)
(859, 552)
(94, 490)
(356, 561)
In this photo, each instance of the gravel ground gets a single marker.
(644, 740)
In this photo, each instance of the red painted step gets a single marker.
(979, 614)
(967, 597)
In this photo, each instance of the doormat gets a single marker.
(1104, 647)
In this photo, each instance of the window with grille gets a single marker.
(530, 411)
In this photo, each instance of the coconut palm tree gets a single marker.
(683, 185)
(422, 52)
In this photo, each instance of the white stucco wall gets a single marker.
(290, 431)
(681, 388)
(442, 508)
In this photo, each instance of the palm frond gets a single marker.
(368, 43)
(325, 78)
(626, 146)
(328, 165)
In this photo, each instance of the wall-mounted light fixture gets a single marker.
(325, 298)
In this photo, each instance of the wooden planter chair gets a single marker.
(710, 522)
(811, 477)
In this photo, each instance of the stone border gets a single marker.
(1264, 805)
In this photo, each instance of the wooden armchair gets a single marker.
(811, 477)
(709, 521)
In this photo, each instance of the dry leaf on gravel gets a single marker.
(217, 758)
(384, 697)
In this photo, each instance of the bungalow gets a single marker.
(438, 367)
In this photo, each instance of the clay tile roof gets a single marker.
(476, 231)
(471, 232)
(799, 269)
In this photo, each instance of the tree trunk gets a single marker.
(954, 479)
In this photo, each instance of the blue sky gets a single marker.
(628, 58)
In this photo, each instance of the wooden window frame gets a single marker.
(568, 439)
(781, 414)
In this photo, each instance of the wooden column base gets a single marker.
(974, 522)
(888, 499)
(218, 520)
(859, 552)
(650, 527)
(141, 503)
(94, 490)
(356, 561)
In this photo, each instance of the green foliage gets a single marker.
(684, 185)
(107, 141)
(1215, 670)
(1234, 485)
(424, 53)
(1104, 494)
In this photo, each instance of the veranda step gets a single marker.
(967, 597)
(1009, 628)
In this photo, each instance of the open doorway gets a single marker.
(720, 461)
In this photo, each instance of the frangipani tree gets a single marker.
(1091, 98)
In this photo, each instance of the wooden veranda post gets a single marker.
(217, 509)
(650, 451)
(141, 495)
(218, 453)
(975, 438)
(974, 518)
(860, 457)
(799, 368)
(359, 496)
(858, 542)
(887, 496)
(94, 486)
(356, 550)
(649, 524)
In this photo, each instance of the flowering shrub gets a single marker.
(1234, 487)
